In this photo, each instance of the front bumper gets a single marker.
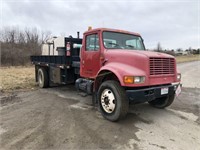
(149, 94)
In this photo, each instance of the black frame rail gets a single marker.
(65, 60)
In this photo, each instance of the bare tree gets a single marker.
(18, 45)
(159, 48)
(44, 36)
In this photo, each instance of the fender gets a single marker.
(120, 70)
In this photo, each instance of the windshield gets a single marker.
(116, 40)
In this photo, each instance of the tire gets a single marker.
(163, 101)
(43, 79)
(112, 100)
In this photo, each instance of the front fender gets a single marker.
(121, 70)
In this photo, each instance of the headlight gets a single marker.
(140, 79)
(179, 76)
(132, 79)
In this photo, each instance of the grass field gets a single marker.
(14, 78)
(181, 59)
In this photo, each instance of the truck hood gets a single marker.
(154, 54)
(136, 58)
(137, 63)
(140, 52)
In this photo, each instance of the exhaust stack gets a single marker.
(78, 34)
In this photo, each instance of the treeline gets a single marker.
(180, 52)
(17, 45)
(177, 52)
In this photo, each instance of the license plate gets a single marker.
(164, 91)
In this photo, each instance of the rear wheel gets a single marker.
(43, 79)
(163, 101)
(112, 101)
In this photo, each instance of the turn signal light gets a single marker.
(128, 79)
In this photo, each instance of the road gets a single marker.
(61, 118)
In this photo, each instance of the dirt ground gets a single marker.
(61, 118)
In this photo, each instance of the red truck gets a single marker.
(114, 67)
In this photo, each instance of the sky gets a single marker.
(173, 23)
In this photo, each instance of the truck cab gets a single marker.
(116, 66)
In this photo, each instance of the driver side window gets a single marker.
(92, 42)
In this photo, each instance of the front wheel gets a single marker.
(163, 101)
(112, 101)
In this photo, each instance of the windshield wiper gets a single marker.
(114, 44)
(131, 46)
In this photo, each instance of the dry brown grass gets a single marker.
(12, 78)
(187, 58)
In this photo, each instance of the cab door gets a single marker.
(90, 56)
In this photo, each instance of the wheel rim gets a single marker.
(108, 101)
(40, 78)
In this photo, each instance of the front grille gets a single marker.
(161, 66)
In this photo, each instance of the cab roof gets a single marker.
(112, 30)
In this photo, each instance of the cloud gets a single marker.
(173, 24)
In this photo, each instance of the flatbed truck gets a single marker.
(115, 68)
